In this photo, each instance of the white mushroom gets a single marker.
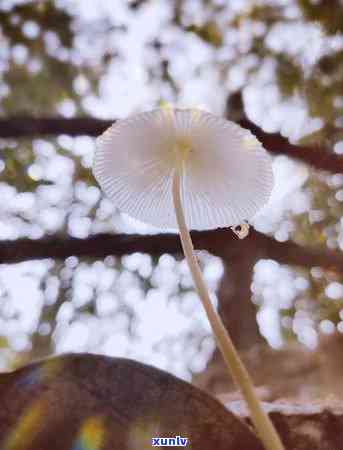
(189, 169)
(225, 174)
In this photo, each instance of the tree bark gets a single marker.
(235, 306)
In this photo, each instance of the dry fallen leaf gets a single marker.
(96, 402)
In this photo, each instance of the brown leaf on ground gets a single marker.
(96, 402)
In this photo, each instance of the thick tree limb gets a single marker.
(220, 242)
(19, 127)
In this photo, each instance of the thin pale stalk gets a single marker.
(261, 420)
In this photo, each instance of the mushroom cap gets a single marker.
(226, 174)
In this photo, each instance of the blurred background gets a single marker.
(78, 276)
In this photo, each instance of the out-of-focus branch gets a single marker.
(318, 157)
(221, 242)
(19, 127)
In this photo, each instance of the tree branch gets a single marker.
(319, 158)
(221, 242)
(19, 127)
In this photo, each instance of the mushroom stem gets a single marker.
(261, 420)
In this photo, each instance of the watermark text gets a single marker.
(177, 441)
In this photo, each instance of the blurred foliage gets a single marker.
(30, 94)
(45, 14)
(39, 68)
(329, 13)
(319, 82)
(40, 80)
(209, 32)
(289, 75)
(16, 161)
